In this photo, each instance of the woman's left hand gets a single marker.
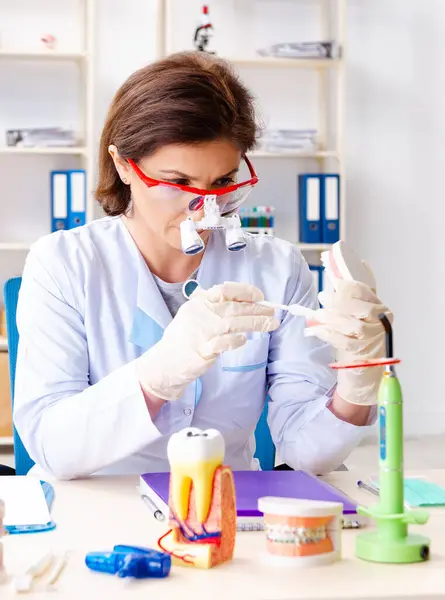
(349, 322)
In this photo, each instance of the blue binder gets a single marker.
(309, 186)
(68, 199)
(330, 208)
(59, 200)
(76, 198)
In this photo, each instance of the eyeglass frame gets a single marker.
(151, 182)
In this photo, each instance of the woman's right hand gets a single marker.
(211, 322)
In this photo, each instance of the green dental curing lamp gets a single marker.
(390, 541)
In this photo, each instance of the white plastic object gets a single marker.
(235, 239)
(189, 287)
(342, 262)
(294, 309)
(3, 573)
(49, 41)
(212, 218)
(57, 569)
(301, 533)
(191, 242)
(23, 583)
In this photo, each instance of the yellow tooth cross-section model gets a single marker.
(202, 500)
(194, 455)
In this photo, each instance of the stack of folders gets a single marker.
(319, 208)
(47, 137)
(288, 140)
(252, 485)
(68, 199)
(328, 49)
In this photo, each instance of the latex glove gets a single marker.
(349, 323)
(211, 322)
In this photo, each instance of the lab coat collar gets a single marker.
(151, 315)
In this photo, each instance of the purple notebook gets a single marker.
(251, 485)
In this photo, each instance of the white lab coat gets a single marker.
(89, 306)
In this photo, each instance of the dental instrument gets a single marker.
(130, 561)
(56, 570)
(390, 542)
(23, 583)
(294, 309)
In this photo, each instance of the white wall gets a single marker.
(395, 163)
(394, 132)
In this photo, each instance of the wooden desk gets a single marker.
(98, 513)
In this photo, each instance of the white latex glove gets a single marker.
(349, 323)
(211, 322)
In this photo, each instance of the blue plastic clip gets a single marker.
(130, 561)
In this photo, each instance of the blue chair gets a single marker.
(265, 449)
(11, 294)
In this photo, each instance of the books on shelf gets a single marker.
(42, 138)
(318, 49)
(289, 140)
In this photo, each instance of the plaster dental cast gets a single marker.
(113, 358)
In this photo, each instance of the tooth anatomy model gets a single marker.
(202, 500)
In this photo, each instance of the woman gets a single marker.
(112, 358)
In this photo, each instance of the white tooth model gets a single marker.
(192, 243)
(201, 500)
(194, 456)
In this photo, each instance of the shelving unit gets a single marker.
(15, 246)
(285, 63)
(71, 150)
(83, 59)
(294, 154)
(44, 54)
(333, 17)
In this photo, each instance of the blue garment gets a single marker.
(89, 306)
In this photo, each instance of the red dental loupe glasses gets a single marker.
(228, 198)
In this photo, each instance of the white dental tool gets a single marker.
(294, 309)
(191, 241)
(23, 583)
(56, 570)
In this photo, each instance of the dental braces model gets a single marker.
(191, 241)
(202, 500)
(301, 532)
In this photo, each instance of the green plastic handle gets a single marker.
(417, 517)
(414, 517)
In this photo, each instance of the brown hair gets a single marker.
(186, 98)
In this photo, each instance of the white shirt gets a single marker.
(89, 306)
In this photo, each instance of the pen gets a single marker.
(158, 514)
(368, 488)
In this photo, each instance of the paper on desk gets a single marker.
(25, 502)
